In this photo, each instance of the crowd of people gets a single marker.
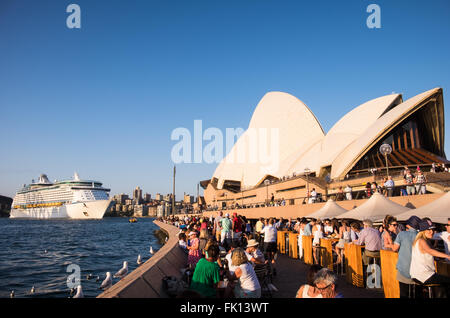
(246, 245)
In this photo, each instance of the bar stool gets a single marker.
(429, 286)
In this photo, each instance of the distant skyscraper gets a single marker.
(137, 195)
(158, 197)
(147, 197)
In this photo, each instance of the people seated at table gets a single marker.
(207, 274)
(403, 244)
(309, 290)
(369, 237)
(422, 267)
(246, 283)
(390, 230)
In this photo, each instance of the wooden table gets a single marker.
(293, 245)
(281, 241)
(354, 265)
(388, 261)
(326, 252)
(307, 249)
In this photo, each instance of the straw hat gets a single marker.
(192, 233)
(252, 242)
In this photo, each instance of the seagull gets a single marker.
(139, 260)
(107, 282)
(123, 271)
(32, 290)
(45, 251)
(151, 250)
(79, 293)
(11, 295)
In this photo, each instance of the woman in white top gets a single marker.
(422, 259)
(247, 282)
(344, 237)
(318, 234)
(301, 232)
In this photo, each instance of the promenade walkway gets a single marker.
(291, 274)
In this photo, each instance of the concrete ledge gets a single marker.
(146, 280)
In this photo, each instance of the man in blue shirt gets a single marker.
(389, 185)
(403, 244)
(308, 228)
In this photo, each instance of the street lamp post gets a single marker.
(385, 150)
(267, 182)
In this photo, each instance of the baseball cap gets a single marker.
(425, 225)
(413, 222)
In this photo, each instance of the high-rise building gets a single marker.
(120, 198)
(147, 197)
(158, 197)
(137, 195)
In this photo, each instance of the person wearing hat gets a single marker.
(194, 251)
(257, 257)
(422, 267)
(403, 244)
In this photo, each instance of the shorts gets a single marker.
(270, 247)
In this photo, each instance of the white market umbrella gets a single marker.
(438, 210)
(374, 209)
(330, 210)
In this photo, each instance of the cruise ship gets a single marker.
(67, 199)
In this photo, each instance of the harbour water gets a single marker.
(38, 252)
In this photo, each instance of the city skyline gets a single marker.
(103, 100)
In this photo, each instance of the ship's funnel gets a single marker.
(43, 179)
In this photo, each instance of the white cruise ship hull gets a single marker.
(77, 210)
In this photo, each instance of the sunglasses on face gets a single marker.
(394, 224)
(323, 289)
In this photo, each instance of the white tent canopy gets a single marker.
(375, 209)
(438, 210)
(330, 210)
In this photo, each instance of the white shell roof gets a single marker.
(374, 209)
(330, 210)
(353, 125)
(438, 210)
(297, 127)
(356, 149)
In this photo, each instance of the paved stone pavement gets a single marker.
(291, 274)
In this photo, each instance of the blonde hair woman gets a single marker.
(422, 259)
(248, 285)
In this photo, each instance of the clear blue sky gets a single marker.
(104, 99)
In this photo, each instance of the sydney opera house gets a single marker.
(347, 155)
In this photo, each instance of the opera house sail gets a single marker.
(413, 128)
